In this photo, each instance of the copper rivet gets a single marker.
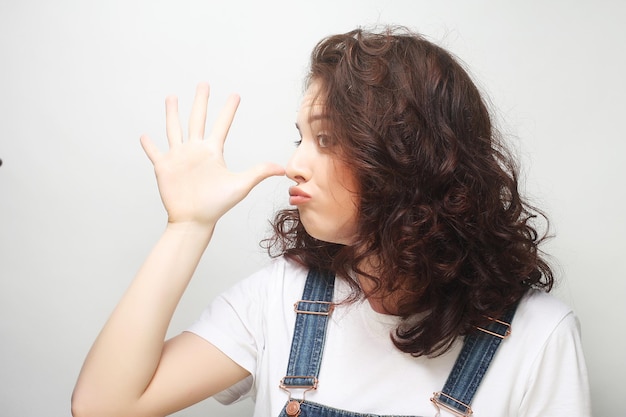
(293, 408)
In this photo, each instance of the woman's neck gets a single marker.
(382, 304)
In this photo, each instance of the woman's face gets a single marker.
(326, 191)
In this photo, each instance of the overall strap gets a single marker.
(471, 365)
(309, 334)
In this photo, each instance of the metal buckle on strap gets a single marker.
(326, 307)
(293, 406)
(506, 334)
(308, 387)
(436, 400)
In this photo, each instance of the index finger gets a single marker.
(197, 119)
(223, 122)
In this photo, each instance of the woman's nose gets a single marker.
(299, 165)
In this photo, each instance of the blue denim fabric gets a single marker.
(310, 409)
(472, 363)
(308, 344)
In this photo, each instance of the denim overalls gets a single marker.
(307, 347)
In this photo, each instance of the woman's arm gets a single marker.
(129, 369)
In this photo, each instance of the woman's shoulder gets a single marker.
(542, 318)
(539, 309)
(279, 276)
(279, 269)
(543, 360)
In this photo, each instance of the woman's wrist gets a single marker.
(191, 227)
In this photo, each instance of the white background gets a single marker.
(79, 210)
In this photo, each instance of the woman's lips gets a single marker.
(297, 196)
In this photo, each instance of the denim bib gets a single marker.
(307, 346)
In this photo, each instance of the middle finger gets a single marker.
(197, 120)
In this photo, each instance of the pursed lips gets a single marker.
(297, 196)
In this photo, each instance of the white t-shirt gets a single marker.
(538, 371)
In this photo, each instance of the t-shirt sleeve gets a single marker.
(558, 384)
(232, 323)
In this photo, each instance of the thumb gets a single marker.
(253, 176)
(259, 172)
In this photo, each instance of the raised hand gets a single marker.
(194, 182)
(129, 370)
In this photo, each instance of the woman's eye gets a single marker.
(322, 141)
(297, 142)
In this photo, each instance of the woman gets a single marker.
(407, 242)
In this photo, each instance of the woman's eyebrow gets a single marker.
(317, 116)
(314, 118)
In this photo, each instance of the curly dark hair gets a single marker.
(439, 206)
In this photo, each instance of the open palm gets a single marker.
(194, 182)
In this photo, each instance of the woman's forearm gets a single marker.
(124, 357)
